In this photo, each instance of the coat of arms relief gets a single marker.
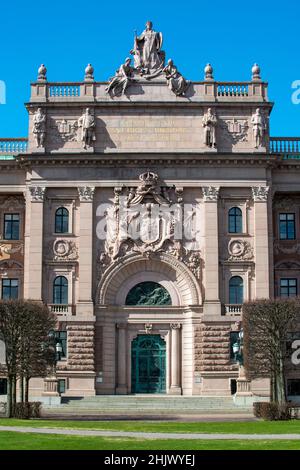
(148, 219)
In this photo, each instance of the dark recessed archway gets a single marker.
(148, 293)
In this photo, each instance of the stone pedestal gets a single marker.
(175, 385)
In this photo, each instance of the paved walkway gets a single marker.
(150, 435)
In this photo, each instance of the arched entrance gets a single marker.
(148, 364)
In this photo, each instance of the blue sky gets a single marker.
(66, 35)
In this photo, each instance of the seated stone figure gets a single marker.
(176, 82)
(118, 84)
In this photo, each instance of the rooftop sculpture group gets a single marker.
(149, 63)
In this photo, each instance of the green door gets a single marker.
(148, 364)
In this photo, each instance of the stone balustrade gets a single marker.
(62, 309)
(289, 147)
(13, 146)
(232, 309)
(199, 91)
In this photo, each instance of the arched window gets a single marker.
(62, 220)
(148, 293)
(235, 220)
(60, 290)
(236, 290)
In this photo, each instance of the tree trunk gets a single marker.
(27, 389)
(281, 389)
(9, 397)
(22, 389)
(14, 394)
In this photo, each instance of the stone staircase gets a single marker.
(154, 405)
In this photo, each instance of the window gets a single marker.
(61, 337)
(291, 337)
(293, 386)
(62, 220)
(235, 220)
(3, 386)
(60, 290)
(10, 289)
(11, 226)
(288, 287)
(61, 386)
(236, 290)
(287, 227)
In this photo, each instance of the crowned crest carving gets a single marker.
(236, 130)
(65, 129)
(147, 220)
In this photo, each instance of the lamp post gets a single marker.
(237, 348)
(51, 382)
(243, 385)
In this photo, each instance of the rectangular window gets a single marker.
(291, 337)
(10, 289)
(11, 226)
(61, 337)
(287, 229)
(293, 386)
(288, 287)
(3, 386)
(61, 386)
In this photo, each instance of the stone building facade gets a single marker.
(143, 215)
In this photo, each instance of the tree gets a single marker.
(266, 325)
(24, 329)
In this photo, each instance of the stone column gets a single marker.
(261, 241)
(33, 243)
(175, 385)
(212, 305)
(85, 304)
(121, 385)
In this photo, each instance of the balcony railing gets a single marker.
(233, 309)
(289, 147)
(62, 309)
(13, 146)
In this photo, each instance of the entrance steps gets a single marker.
(147, 405)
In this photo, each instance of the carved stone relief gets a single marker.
(239, 250)
(235, 130)
(64, 250)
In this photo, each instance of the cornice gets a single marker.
(116, 160)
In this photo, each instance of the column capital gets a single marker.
(260, 193)
(121, 326)
(86, 193)
(37, 193)
(210, 193)
(175, 326)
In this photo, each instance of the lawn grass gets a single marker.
(22, 441)
(236, 427)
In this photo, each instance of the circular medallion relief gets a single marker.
(236, 247)
(61, 248)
